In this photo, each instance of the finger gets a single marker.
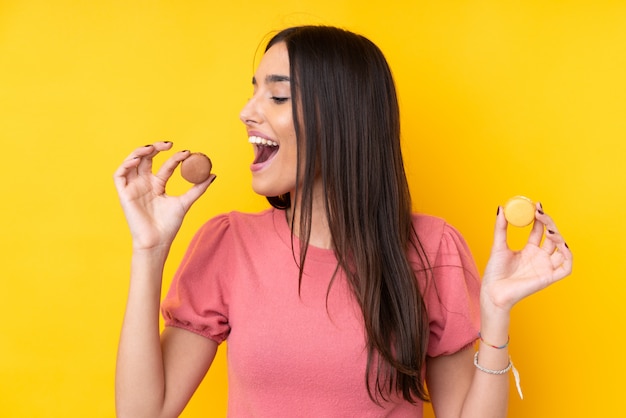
(133, 161)
(196, 191)
(536, 232)
(136, 157)
(124, 171)
(557, 259)
(566, 266)
(168, 167)
(553, 239)
(549, 245)
(562, 265)
(499, 234)
(129, 169)
(562, 257)
(548, 222)
(147, 154)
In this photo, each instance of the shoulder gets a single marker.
(238, 222)
(441, 248)
(428, 226)
(231, 229)
(222, 239)
(436, 234)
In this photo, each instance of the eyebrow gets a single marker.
(273, 78)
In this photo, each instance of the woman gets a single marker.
(338, 301)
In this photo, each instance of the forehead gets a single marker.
(275, 61)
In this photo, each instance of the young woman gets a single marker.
(337, 301)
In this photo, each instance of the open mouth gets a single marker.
(264, 149)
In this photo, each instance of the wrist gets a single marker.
(495, 325)
(494, 302)
(156, 255)
(496, 346)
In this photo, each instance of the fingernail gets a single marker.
(149, 145)
(498, 211)
(167, 142)
(540, 211)
(185, 150)
(566, 246)
(550, 231)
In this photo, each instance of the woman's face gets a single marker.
(269, 122)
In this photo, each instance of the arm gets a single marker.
(156, 375)
(456, 387)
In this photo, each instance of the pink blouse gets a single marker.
(303, 354)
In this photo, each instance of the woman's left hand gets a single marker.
(511, 276)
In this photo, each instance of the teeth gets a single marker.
(262, 141)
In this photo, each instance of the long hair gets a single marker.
(346, 116)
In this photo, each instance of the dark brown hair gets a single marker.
(347, 121)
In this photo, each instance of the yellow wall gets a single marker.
(498, 98)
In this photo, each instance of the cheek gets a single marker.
(286, 127)
(281, 119)
(288, 139)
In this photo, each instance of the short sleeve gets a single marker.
(197, 299)
(452, 296)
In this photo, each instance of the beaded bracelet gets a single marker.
(499, 347)
(510, 366)
(496, 372)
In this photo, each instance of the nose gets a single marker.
(249, 114)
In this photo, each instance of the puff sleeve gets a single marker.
(197, 299)
(452, 296)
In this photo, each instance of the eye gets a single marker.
(279, 100)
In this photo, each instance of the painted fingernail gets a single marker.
(550, 231)
(498, 211)
(566, 246)
(540, 210)
(146, 146)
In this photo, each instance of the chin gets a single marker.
(268, 190)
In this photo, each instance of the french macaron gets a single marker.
(519, 211)
(196, 168)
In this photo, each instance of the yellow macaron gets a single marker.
(519, 211)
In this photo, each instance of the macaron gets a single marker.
(519, 211)
(196, 168)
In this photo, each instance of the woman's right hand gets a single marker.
(153, 216)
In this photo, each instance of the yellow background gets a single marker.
(498, 98)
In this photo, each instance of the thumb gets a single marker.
(499, 233)
(196, 191)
